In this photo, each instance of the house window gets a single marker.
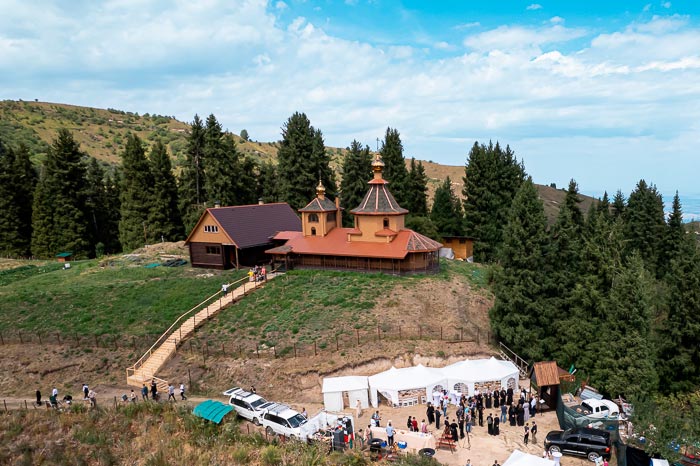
(313, 218)
(313, 231)
(211, 228)
(330, 217)
(213, 250)
(386, 222)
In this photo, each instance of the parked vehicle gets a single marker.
(600, 408)
(590, 443)
(282, 420)
(247, 404)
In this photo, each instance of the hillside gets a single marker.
(102, 133)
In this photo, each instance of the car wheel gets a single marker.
(592, 456)
(256, 421)
(269, 431)
(554, 449)
(293, 438)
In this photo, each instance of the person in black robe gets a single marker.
(460, 421)
(503, 396)
(509, 394)
(521, 415)
(495, 399)
(430, 412)
(453, 430)
(488, 400)
(438, 413)
(511, 415)
(496, 425)
(481, 416)
(489, 424)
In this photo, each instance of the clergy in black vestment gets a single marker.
(521, 415)
(495, 398)
(481, 416)
(453, 430)
(510, 396)
(511, 415)
(430, 412)
(489, 424)
(496, 425)
(488, 400)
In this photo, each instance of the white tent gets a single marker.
(472, 371)
(519, 458)
(333, 388)
(390, 383)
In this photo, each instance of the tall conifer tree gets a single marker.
(645, 225)
(222, 166)
(446, 213)
(104, 231)
(136, 196)
(267, 182)
(357, 171)
(395, 165)
(191, 191)
(164, 219)
(17, 184)
(417, 190)
(58, 217)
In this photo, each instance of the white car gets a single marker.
(600, 409)
(247, 404)
(282, 420)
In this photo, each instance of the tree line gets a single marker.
(71, 202)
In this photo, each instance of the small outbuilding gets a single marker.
(462, 246)
(64, 256)
(344, 392)
(545, 379)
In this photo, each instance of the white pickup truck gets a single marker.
(599, 409)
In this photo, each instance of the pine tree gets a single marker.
(267, 182)
(164, 221)
(618, 204)
(674, 236)
(417, 191)
(357, 171)
(104, 231)
(625, 333)
(58, 215)
(679, 352)
(191, 191)
(603, 207)
(446, 213)
(395, 166)
(645, 225)
(302, 159)
(113, 212)
(492, 177)
(516, 317)
(245, 182)
(136, 195)
(222, 166)
(11, 240)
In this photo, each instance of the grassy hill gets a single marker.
(102, 133)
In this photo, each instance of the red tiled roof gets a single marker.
(385, 232)
(336, 244)
(285, 235)
(254, 225)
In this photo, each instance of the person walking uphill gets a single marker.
(144, 392)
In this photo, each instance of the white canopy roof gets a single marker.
(519, 458)
(407, 378)
(480, 370)
(344, 384)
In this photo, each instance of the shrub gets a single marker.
(270, 456)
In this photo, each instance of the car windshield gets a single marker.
(259, 402)
(297, 420)
(586, 406)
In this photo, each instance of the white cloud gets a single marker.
(534, 6)
(556, 20)
(647, 7)
(280, 5)
(462, 26)
(666, 4)
(519, 37)
(442, 45)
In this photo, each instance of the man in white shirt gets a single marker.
(54, 392)
(390, 434)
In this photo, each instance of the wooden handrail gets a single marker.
(520, 362)
(165, 334)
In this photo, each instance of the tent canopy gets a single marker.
(519, 458)
(481, 370)
(344, 384)
(213, 411)
(407, 378)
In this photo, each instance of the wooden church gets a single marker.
(378, 242)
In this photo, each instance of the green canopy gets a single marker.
(213, 411)
(64, 254)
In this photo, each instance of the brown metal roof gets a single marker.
(379, 201)
(254, 225)
(319, 205)
(546, 373)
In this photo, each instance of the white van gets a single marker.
(600, 409)
(282, 420)
(247, 404)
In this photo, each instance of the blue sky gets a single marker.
(603, 92)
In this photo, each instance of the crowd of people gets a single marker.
(155, 395)
(89, 395)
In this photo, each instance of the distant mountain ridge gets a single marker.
(101, 133)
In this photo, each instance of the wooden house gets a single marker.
(462, 246)
(227, 237)
(379, 240)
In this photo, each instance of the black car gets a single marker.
(591, 443)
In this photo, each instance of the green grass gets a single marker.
(91, 300)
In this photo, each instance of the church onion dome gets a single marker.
(320, 203)
(379, 200)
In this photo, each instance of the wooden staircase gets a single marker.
(509, 355)
(146, 368)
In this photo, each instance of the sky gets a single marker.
(605, 92)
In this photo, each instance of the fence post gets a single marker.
(399, 332)
(240, 351)
(420, 332)
(336, 342)
(441, 333)
(96, 343)
(58, 337)
(223, 352)
(1, 339)
(38, 334)
(274, 351)
(77, 340)
(379, 335)
(461, 334)
(477, 335)
(257, 351)
(315, 353)
(358, 336)
(295, 349)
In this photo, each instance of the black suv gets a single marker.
(591, 443)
